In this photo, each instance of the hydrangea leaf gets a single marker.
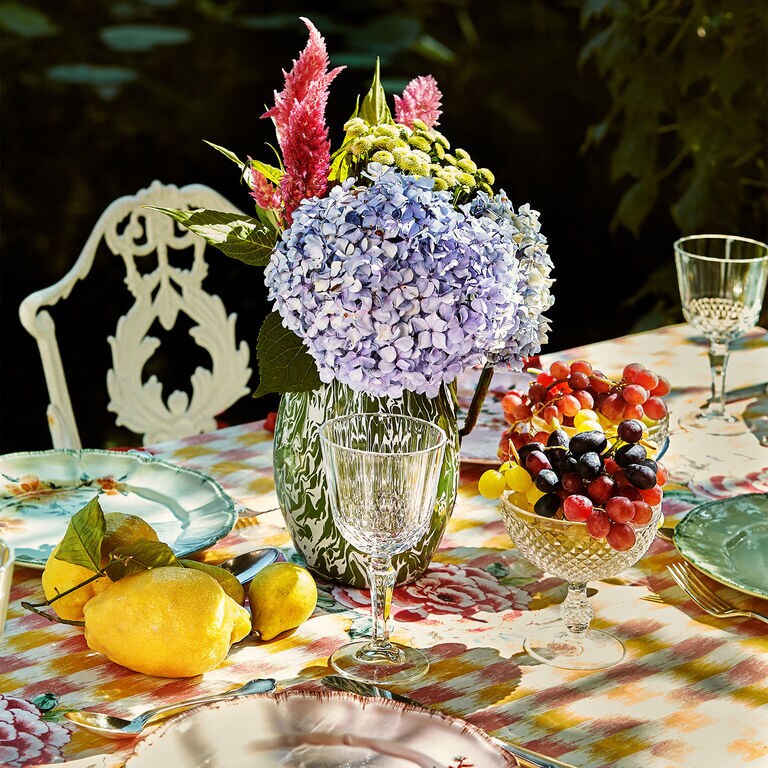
(81, 544)
(284, 363)
(374, 109)
(234, 234)
(270, 172)
(140, 555)
(229, 154)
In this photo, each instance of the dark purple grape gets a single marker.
(536, 461)
(629, 454)
(589, 465)
(547, 481)
(558, 438)
(630, 430)
(583, 442)
(524, 450)
(567, 463)
(651, 464)
(547, 505)
(641, 477)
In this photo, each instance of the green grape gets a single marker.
(491, 484)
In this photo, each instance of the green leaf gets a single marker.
(238, 236)
(227, 153)
(284, 363)
(140, 555)
(635, 204)
(374, 109)
(81, 544)
(430, 48)
(46, 701)
(273, 174)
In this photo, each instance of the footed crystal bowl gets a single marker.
(567, 550)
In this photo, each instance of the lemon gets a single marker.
(226, 580)
(59, 575)
(168, 622)
(281, 596)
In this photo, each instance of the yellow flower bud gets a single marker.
(418, 143)
(440, 139)
(439, 151)
(450, 159)
(384, 129)
(461, 154)
(420, 124)
(486, 175)
(422, 156)
(466, 179)
(384, 142)
(468, 166)
(361, 145)
(440, 185)
(356, 127)
(383, 157)
(485, 188)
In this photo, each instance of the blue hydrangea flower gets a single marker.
(393, 288)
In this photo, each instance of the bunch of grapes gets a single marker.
(578, 396)
(608, 485)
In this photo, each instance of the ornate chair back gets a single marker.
(135, 233)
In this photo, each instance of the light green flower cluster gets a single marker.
(420, 151)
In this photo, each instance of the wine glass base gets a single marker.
(355, 662)
(714, 424)
(558, 648)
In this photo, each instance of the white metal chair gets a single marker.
(134, 232)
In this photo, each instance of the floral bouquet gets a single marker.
(391, 263)
(393, 267)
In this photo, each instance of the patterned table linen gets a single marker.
(691, 691)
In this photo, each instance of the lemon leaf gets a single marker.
(140, 555)
(81, 544)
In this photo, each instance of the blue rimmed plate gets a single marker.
(728, 540)
(41, 490)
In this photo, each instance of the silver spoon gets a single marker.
(244, 567)
(117, 728)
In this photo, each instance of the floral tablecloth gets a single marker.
(691, 691)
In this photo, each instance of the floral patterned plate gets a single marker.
(40, 491)
(319, 729)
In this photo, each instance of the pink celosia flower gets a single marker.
(299, 117)
(421, 100)
(264, 192)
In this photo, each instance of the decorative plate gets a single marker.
(319, 729)
(40, 491)
(728, 540)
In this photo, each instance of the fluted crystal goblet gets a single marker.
(567, 550)
(382, 472)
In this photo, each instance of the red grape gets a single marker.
(560, 369)
(537, 393)
(600, 489)
(629, 492)
(655, 408)
(600, 384)
(619, 509)
(535, 461)
(621, 537)
(646, 379)
(568, 405)
(643, 513)
(598, 524)
(545, 379)
(581, 366)
(634, 394)
(662, 388)
(662, 473)
(610, 465)
(577, 508)
(549, 413)
(541, 437)
(652, 495)
(571, 482)
(613, 407)
(578, 380)
(633, 412)
(630, 371)
(585, 399)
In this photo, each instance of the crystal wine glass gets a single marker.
(382, 472)
(722, 282)
(567, 550)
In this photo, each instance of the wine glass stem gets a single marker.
(576, 610)
(718, 363)
(381, 577)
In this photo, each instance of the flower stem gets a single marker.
(481, 390)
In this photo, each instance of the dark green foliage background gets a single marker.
(626, 123)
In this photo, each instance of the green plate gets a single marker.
(728, 540)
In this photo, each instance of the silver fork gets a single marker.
(689, 581)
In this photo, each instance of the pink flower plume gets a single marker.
(299, 116)
(264, 192)
(421, 100)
